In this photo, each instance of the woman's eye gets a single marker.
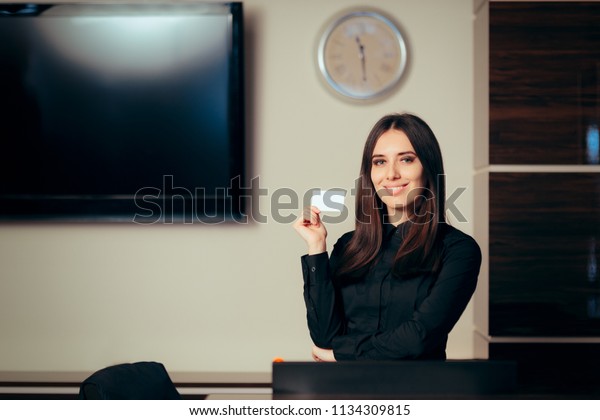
(407, 159)
(378, 162)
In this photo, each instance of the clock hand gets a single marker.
(361, 55)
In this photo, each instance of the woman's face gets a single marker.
(395, 171)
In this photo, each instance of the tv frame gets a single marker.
(228, 205)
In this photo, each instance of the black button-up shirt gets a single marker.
(384, 317)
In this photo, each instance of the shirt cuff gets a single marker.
(315, 267)
(352, 346)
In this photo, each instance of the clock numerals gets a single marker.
(389, 55)
(340, 69)
(386, 68)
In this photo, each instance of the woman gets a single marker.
(395, 286)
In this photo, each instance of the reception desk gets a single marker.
(456, 379)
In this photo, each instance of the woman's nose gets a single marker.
(393, 172)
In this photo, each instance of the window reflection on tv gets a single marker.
(121, 112)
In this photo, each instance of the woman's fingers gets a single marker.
(310, 216)
(314, 354)
(310, 228)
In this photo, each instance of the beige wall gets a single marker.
(229, 297)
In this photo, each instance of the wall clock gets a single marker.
(362, 55)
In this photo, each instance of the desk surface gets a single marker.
(242, 378)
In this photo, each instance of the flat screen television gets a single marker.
(122, 112)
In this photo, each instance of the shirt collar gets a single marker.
(389, 230)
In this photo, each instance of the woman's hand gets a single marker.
(312, 230)
(322, 355)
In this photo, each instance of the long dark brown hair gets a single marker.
(419, 250)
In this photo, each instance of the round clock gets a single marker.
(362, 55)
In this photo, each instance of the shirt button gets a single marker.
(313, 269)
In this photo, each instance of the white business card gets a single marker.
(331, 201)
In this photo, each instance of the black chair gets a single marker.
(129, 381)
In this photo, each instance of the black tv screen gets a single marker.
(121, 112)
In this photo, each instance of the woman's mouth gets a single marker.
(395, 190)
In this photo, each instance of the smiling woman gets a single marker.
(396, 172)
(395, 286)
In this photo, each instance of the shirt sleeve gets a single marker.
(431, 321)
(324, 310)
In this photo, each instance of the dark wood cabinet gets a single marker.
(543, 232)
(544, 254)
(544, 82)
(553, 370)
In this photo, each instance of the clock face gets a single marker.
(362, 55)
